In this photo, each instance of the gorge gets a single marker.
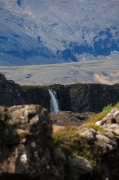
(30, 148)
(75, 97)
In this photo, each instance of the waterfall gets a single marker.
(53, 102)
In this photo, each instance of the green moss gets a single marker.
(75, 145)
(96, 128)
(117, 105)
(102, 114)
(92, 120)
(96, 118)
(107, 109)
(96, 169)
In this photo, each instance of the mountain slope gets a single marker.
(55, 31)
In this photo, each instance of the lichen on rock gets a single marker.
(22, 134)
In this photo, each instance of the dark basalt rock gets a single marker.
(86, 97)
(12, 94)
(37, 95)
(2, 77)
(74, 97)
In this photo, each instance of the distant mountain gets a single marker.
(56, 31)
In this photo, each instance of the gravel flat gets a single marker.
(100, 71)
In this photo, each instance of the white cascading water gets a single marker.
(53, 101)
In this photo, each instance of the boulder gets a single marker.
(88, 133)
(24, 154)
(105, 142)
(78, 166)
(111, 122)
(59, 155)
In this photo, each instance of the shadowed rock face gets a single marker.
(86, 97)
(92, 97)
(37, 95)
(12, 94)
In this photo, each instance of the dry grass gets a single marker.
(57, 128)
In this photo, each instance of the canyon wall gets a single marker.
(86, 97)
(74, 97)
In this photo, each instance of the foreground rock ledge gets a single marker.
(23, 154)
(26, 154)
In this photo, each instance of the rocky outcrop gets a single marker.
(24, 154)
(79, 166)
(92, 148)
(27, 151)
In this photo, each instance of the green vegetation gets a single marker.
(90, 122)
(100, 115)
(75, 145)
(107, 109)
(96, 128)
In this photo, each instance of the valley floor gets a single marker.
(101, 71)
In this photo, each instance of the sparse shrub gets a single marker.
(107, 109)
(102, 114)
(117, 105)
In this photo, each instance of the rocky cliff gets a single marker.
(36, 95)
(12, 94)
(29, 150)
(86, 97)
(75, 97)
